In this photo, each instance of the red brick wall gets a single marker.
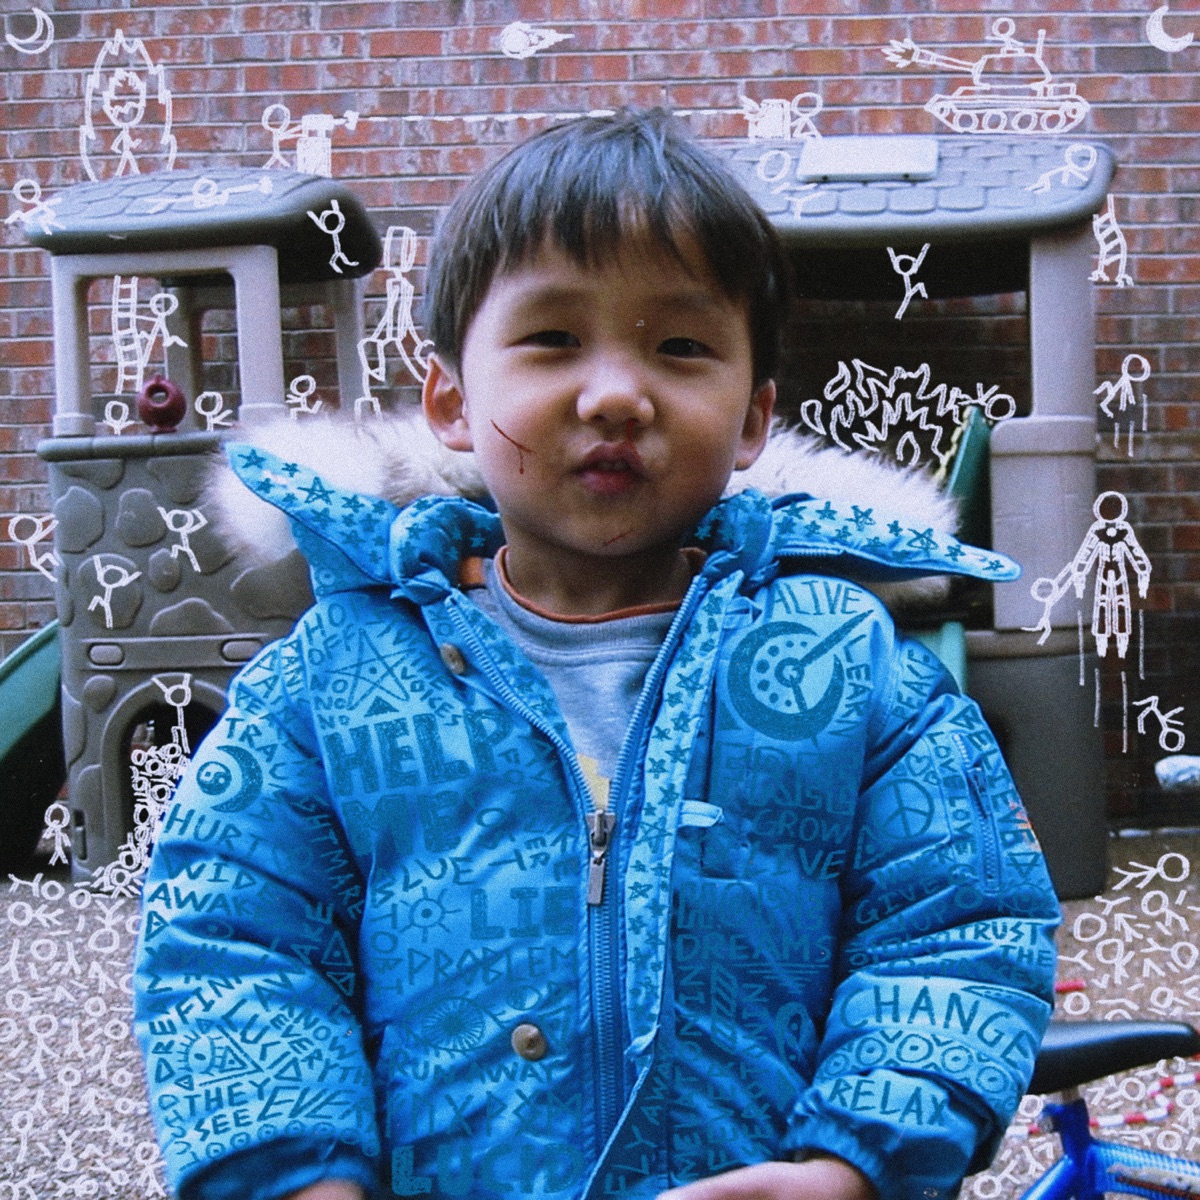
(438, 100)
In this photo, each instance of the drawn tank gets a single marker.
(988, 106)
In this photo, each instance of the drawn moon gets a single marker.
(251, 780)
(37, 41)
(1157, 36)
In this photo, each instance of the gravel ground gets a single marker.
(75, 1121)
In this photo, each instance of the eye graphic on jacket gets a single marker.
(429, 912)
(455, 1024)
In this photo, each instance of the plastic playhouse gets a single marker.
(155, 615)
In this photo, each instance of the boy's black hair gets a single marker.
(588, 184)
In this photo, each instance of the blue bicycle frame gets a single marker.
(1090, 1169)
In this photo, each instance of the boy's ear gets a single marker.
(444, 406)
(757, 425)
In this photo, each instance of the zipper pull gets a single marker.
(600, 827)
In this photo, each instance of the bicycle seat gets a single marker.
(1076, 1052)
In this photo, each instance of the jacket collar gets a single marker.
(353, 541)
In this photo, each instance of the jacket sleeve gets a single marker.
(247, 999)
(946, 968)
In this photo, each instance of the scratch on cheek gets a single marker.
(521, 450)
(618, 537)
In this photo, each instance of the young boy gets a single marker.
(612, 841)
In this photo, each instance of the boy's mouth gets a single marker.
(611, 468)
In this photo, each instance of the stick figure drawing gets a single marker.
(1112, 548)
(396, 327)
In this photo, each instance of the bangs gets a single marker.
(591, 188)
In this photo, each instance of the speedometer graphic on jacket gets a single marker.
(785, 682)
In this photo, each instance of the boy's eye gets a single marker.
(554, 339)
(684, 347)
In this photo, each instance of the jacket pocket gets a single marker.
(985, 824)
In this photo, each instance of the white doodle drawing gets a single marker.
(332, 221)
(988, 105)
(367, 404)
(299, 393)
(76, 1124)
(1112, 248)
(1124, 713)
(1157, 36)
(522, 40)
(1171, 737)
(155, 771)
(119, 85)
(778, 118)
(178, 695)
(58, 821)
(314, 146)
(184, 522)
(42, 38)
(117, 418)
(207, 193)
(40, 560)
(110, 576)
(774, 168)
(29, 191)
(1134, 369)
(1112, 548)
(396, 328)
(313, 135)
(211, 406)
(906, 266)
(1079, 161)
(134, 345)
(865, 407)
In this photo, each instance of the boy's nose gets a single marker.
(615, 393)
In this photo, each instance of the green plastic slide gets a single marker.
(32, 767)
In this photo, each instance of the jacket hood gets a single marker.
(392, 506)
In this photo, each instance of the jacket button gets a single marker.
(452, 656)
(529, 1042)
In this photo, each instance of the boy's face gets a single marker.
(606, 407)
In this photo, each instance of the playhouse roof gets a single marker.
(217, 206)
(848, 191)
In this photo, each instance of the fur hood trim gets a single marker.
(399, 459)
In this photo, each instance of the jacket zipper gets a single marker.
(606, 923)
(605, 1002)
(984, 826)
(603, 903)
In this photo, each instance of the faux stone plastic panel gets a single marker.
(211, 553)
(188, 617)
(99, 691)
(104, 473)
(138, 520)
(280, 589)
(74, 727)
(80, 520)
(123, 602)
(180, 480)
(164, 572)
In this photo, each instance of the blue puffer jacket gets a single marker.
(368, 948)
